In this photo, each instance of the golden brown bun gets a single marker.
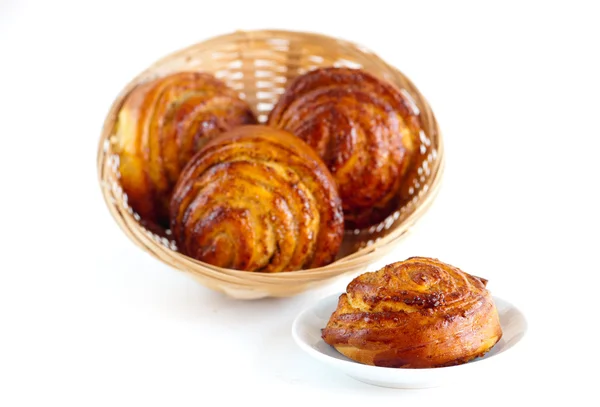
(161, 124)
(417, 313)
(364, 130)
(258, 199)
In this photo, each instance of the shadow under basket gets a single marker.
(258, 64)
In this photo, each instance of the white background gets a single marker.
(86, 318)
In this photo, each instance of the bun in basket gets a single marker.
(364, 129)
(257, 199)
(161, 124)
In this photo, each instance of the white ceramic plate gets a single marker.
(306, 331)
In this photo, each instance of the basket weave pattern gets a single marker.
(258, 65)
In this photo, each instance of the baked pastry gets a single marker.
(257, 199)
(161, 124)
(416, 313)
(363, 128)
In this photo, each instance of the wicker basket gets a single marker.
(258, 64)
